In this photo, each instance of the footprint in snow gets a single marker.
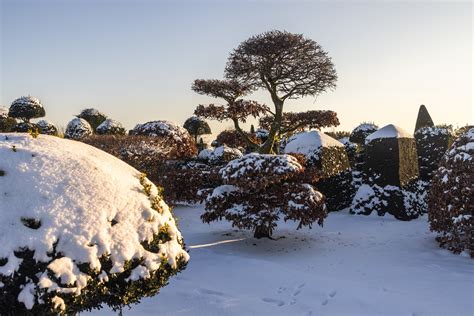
(330, 296)
(273, 301)
(332, 293)
(210, 292)
(298, 289)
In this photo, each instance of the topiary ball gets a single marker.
(80, 229)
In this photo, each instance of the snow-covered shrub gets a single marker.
(233, 139)
(93, 117)
(78, 129)
(25, 127)
(204, 154)
(110, 127)
(329, 157)
(431, 144)
(74, 241)
(47, 128)
(389, 182)
(451, 197)
(359, 133)
(26, 108)
(258, 190)
(223, 154)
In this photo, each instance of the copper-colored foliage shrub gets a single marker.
(150, 154)
(232, 138)
(258, 190)
(451, 198)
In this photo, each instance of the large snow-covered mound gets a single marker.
(72, 204)
(389, 131)
(309, 143)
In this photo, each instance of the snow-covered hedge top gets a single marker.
(110, 126)
(258, 170)
(428, 131)
(85, 204)
(161, 128)
(389, 131)
(3, 112)
(224, 153)
(310, 143)
(77, 128)
(463, 148)
(27, 101)
(91, 112)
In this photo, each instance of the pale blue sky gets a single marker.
(136, 60)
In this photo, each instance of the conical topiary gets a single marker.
(423, 119)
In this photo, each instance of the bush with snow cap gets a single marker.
(25, 127)
(110, 127)
(223, 154)
(451, 197)
(359, 133)
(78, 129)
(351, 150)
(258, 190)
(234, 139)
(93, 117)
(329, 157)
(47, 128)
(65, 250)
(26, 108)
(390, 175)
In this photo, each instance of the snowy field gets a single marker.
(354, 265)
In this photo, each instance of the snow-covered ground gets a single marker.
(354, 265)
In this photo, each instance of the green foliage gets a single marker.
(423, 119)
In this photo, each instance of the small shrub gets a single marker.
(93, 117)
(26, 108)
(258, 190)
(78, 129)
(110, 127)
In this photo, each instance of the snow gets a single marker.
(3, 112)
(75, 191)
(310, 143)
(204, 154)
(263, 164)
(354, 265)
(388, 131)
(218, 154)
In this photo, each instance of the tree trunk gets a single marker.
(268, 146)
(262, 231)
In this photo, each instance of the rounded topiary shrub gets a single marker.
(47, 128)
(110, 127)
(359, 133)
(451, 197)
(25, 127)
(74, 242)
(26, 108)
(78, 129)
(93, 117)
(197, 126)
(259, 190)
(329, 157)
(7, 124)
